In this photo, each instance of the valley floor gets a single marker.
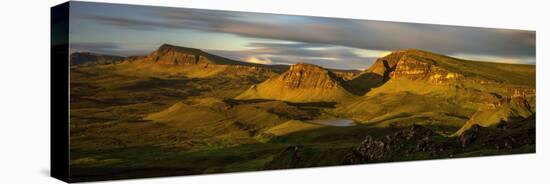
(328, 146)
(132, 125)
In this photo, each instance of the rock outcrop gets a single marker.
(301, 83)
(387, 65)
(303, 76)
(169, 55)
(175, 55)
(409, 64)
(403, 142)
(415, 68)
(420, 142)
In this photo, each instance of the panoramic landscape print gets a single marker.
(159, 91)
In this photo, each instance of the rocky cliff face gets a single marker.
(413, 68)
(301, 83)
(309, 76)
(384, 66)
(409, 64)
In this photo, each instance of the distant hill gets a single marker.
(301, 83)
(176, 55)
(175, 60)
(87, 58)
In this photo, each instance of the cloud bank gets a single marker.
(318, 38)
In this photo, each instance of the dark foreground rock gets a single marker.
(401, 143)
(418, 142)
(413, 143)
(505, 136)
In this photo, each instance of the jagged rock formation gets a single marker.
(87, 58)
(404, 142)
(301, 83)
(417, 142)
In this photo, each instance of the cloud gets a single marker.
(360, 34)
(525, 60)
(129, 23)
(328, 56)
(258, 60)
(106, 48)
(94, 47)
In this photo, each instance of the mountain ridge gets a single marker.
(90, 58)
(176, 55)
(435, 68)
(439, 67)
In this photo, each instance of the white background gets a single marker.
(24, 90)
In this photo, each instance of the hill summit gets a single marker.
(168, 54)
(301, 83)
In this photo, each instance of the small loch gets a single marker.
(333, 122)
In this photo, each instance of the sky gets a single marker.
(128, 30)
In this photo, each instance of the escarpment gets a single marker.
(413, 68)
(301, 83)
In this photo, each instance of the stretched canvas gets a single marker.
(145, 91)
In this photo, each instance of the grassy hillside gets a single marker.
(275, 89)
(484, 94)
